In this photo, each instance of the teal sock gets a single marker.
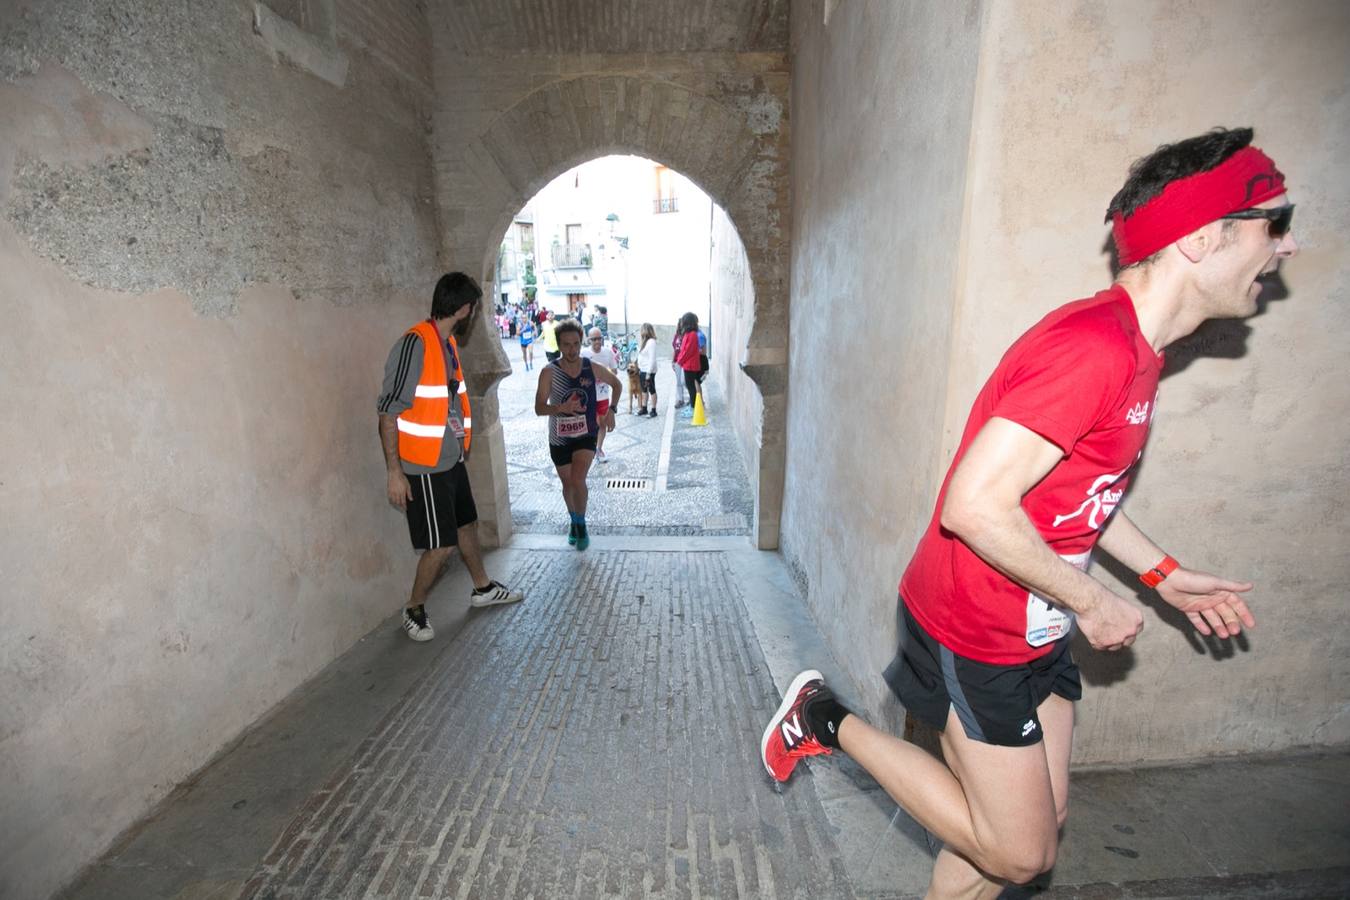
(577, 518)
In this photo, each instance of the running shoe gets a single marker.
(416, 623)
(583, 539)
(572, 534)
(493, 594)
(788, 737)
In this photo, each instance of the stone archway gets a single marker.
(725, 131)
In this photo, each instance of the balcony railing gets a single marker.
(571, 256)
(665, 205)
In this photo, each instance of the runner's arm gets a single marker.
(541, 404)
(400, 492)
(402, 372)
(542, 407)
(612, 380)
(1210, 602)
(1123, 540)
(983, 507)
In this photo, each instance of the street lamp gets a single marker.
(622, 242)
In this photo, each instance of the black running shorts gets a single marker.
(441, 503)
(996, 704)
(562, 453)
(648, 382)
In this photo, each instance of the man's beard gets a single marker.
(463, 328)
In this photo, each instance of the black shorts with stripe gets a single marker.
(995, 704)
(441, 503)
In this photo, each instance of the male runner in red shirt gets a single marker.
(999, 578)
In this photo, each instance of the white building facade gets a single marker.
(620, 232)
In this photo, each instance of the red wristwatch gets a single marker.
(1154, 576)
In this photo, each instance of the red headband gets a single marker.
(1246, 178)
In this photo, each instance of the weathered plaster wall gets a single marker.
(1246, 472)
(881, 103)
(506, 125)
(205, 253)
(733, 297)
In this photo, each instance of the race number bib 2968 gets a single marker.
(1046, 622)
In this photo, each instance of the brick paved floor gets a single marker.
(599, 740)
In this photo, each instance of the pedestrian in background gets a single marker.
(680, 397)
(601, 353)
(526, 335)
(549, 338)
(688, 357)
(646, 363)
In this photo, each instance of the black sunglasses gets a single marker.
(1278, 220)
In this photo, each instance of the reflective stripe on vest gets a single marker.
(421, 427)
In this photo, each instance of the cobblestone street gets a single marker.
(704, 490)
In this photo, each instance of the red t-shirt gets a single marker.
(1085, 379)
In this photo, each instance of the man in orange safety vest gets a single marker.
(426, 437)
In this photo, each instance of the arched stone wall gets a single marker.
(713, 118)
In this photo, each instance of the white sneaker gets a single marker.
(493, 594)
(417, 624)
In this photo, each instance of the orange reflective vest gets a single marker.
(421, 427)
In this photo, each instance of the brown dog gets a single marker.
(634, 385)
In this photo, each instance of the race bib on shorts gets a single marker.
(1047, 623)
(571, 426)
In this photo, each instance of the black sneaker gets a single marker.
(653, 413)
(642, 411)
(416, 623)
(583, 539)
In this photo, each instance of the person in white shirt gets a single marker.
(597, 351)
(647, 370)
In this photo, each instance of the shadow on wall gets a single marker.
(1102, 668)
(1215, 338)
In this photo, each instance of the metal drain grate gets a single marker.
(628, 484)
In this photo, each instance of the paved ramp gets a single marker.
(600, 740)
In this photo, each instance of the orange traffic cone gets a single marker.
(699, 417)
